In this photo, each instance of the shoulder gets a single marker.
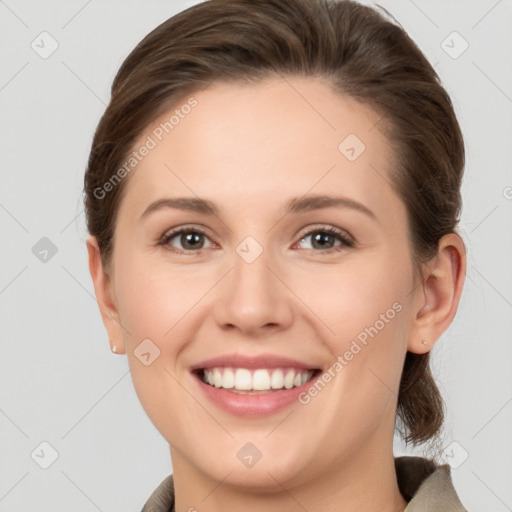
(162, 498)
(426, 486)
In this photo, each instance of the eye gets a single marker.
(324, 238)
(190, 239)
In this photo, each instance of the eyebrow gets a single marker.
(295, 205)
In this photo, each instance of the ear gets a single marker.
(437, 298)
(105, 296)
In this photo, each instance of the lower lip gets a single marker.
(258, 405)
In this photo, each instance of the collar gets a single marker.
(426, 487)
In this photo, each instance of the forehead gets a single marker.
(278, 138)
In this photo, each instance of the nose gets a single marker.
(254, 297)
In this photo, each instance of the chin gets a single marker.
(257, 466)
(267, 477)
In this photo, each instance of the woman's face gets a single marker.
(279, 285)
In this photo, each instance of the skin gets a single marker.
(249, 149)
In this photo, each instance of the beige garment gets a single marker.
(425, 486)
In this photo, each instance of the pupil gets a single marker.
(321, 238)
(190, 237)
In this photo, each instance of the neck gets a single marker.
(367, 482)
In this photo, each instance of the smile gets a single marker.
(255, 381)
(253, 386)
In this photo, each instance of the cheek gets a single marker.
(153, 308)
(363, 308)
(153, 298)
(356, 298)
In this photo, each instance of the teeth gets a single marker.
(217, 378)
(261, 380)
(289, 378)
(277, 379)
(242, 379)
(228, 379)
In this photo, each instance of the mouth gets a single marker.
(253, 386)
(255, 381)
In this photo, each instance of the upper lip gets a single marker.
(259, 361)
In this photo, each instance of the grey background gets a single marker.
(59, 382)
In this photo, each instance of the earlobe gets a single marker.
(104, 296)
(438, 297)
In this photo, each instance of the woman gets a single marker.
(272, 198)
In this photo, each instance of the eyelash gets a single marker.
(341, 235)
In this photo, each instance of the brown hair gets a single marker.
(363, 54)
